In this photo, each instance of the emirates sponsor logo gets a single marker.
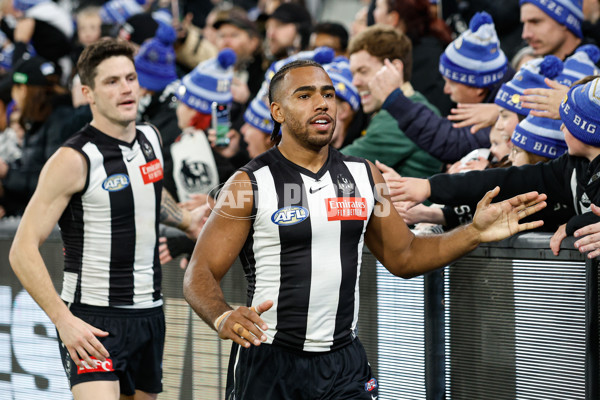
(152, 171)
(346, 209)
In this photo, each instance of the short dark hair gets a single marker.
(385, 42)
(334, 29)
(276, 82)
(97, 52)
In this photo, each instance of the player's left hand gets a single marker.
(497, 221)
(244, 325)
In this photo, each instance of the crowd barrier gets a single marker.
(508, 321)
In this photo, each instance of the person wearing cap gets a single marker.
(330, 34)
(502, 149)
(549, 28)
(545, 101)
(48, 119)
(43, 24)
(104, 189)
(116, 12)
(534, 140)
(383, 141)
(237, 32)
(197, 167)
(288, 30)
(510, 103)
(157, 76)
(258, 126)
(567, 180)
(552, 27)
(474, 67)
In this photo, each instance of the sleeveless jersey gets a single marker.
(110, 228)
(304, 249)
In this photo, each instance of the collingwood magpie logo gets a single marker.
(344, 184)
(147, 149)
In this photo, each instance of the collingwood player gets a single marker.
(298, 216)
(104, 188)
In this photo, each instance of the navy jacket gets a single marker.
(435, 134)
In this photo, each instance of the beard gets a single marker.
(301, 133)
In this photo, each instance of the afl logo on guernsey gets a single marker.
(290, 215)
(115, 182)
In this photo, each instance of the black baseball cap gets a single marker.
(35, 71)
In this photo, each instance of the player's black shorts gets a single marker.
(135, 344)
(268, 372)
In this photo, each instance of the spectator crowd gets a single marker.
(447, 100)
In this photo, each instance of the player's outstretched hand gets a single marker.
(244, 325)
(477, 116)
(591, 237)
(80, 339)
(497, 221)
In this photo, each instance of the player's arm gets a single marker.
(63, 175)
(218, 245)
(407, 255)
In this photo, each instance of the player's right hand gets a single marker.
(244, 325)
(80, 339)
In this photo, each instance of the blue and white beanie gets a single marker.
(581, 64)
(475, 58)
(116, 12)
(339, 72)
(258, 114)
(541, 136)
(155, 62)
(24, 5)
(323, 55)
(566, 12)
(209, 81)
(530, 76)
(580, 112)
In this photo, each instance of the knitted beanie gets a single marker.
(155, 62)
(581, 64)
(258, 114)
(530, 76)
(541, 136)
(116, 12)
(580, 112)
(475, 58)
(24, 5)
(322, 55)
(210, 81)
(339, 72)
(566, 12)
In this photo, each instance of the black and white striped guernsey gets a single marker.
(304, 249)
(110, 228)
